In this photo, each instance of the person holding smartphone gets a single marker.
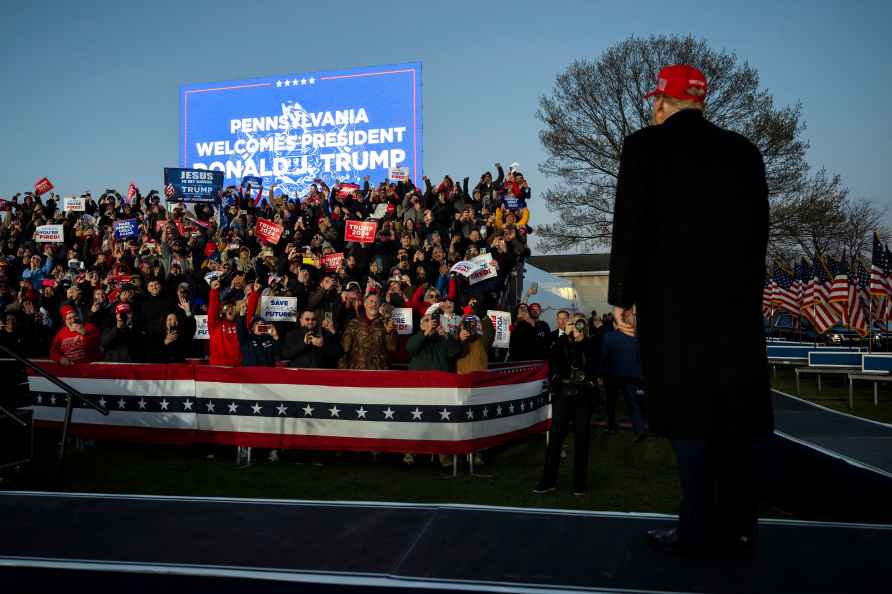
(172, 343)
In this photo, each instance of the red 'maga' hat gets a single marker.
(675, 81)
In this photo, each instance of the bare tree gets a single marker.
(811, 219)
(862, 219)
(594, 105)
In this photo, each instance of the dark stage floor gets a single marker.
(144, 543)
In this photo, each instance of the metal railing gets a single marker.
(71, 394)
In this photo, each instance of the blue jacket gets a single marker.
(620, 356)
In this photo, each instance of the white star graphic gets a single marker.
(142, 404)
(102, 401)
(510, 408)
(287, 83)
(294, 82)
(121, 403)
(256, 408)
(39, 399)
(499, 410)
(164, 404)
(210, 406)
(279, 83)
(522, 406)
(388, 414)
(187, 405)
(335, 411)
(303, 81)
(233, 407)
(312, 80)
(52, 400)
(444, 415)
(470, 414)
(486, 412)
(361, 412)
(308, 411)
(416, 414)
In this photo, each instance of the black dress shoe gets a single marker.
(668, 542)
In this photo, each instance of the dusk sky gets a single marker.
(91, 88)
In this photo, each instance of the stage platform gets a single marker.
(150, 544)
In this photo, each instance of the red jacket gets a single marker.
(75, 347)
(225, 346)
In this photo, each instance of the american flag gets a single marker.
(859, 299)
(784, 292)
(768, 296)
(824, 314)
(170, 191)
(880, 270)
(807, 296)
(839, 289)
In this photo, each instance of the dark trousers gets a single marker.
(565, 409)
(633, 394)
(720, 486)
(611, 395)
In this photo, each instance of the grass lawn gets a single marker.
(624, 476)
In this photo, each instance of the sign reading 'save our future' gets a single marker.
(192, 185)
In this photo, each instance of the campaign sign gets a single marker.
(201, 328)
(402, 319)
(126, 228)
(193, 185)
(74, 204)
(42, 186)
(49, 234)
(485, 269)
(267, 230)
(294, 128)
(252, 181)
(398, 174)
(278, 309)
(380, 211)
(331, 262)
(132, 192)
(345, 190)
(360, 231)
(464, 268)
(501, 321)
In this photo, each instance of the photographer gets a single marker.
(476, 335)
(431, 349)
(572, 400)
(308, 346)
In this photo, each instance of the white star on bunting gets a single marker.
(361, 412)
(485, 412)
(444, 415)
(416, 414)
(294, 82)
(281, 408)
(102, 401)
(256, 408)
(287, 83)
(335, 411)
(303, 81)
(233, 407)
(312, 80)
(388, 414)
(52, 400)
(164, 404)
(308, 410)
(121, 403)
(279, 83)
(39, 399)
(142, 404)
(510, 408)
(210, 406)
(522, 406)
(499, 410)
(187, 405)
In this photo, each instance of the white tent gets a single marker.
(554, 292)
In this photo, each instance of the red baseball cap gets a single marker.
(66, 310)
(675, 81)
(122, 308)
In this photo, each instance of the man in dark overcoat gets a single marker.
(690, 235)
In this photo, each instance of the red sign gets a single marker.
(345, 190)
(268, 230)
(361, 231)
(330, 262)
(43, 186)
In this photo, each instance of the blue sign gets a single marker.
(254, 181)
(126, 228)
(192, 185)
(295, 128)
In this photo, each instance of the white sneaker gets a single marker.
(273, 455)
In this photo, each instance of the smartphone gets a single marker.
(329, 317)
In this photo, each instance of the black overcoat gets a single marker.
(690, 235)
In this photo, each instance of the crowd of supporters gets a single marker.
(92, 297)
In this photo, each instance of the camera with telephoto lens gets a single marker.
(579, 325)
